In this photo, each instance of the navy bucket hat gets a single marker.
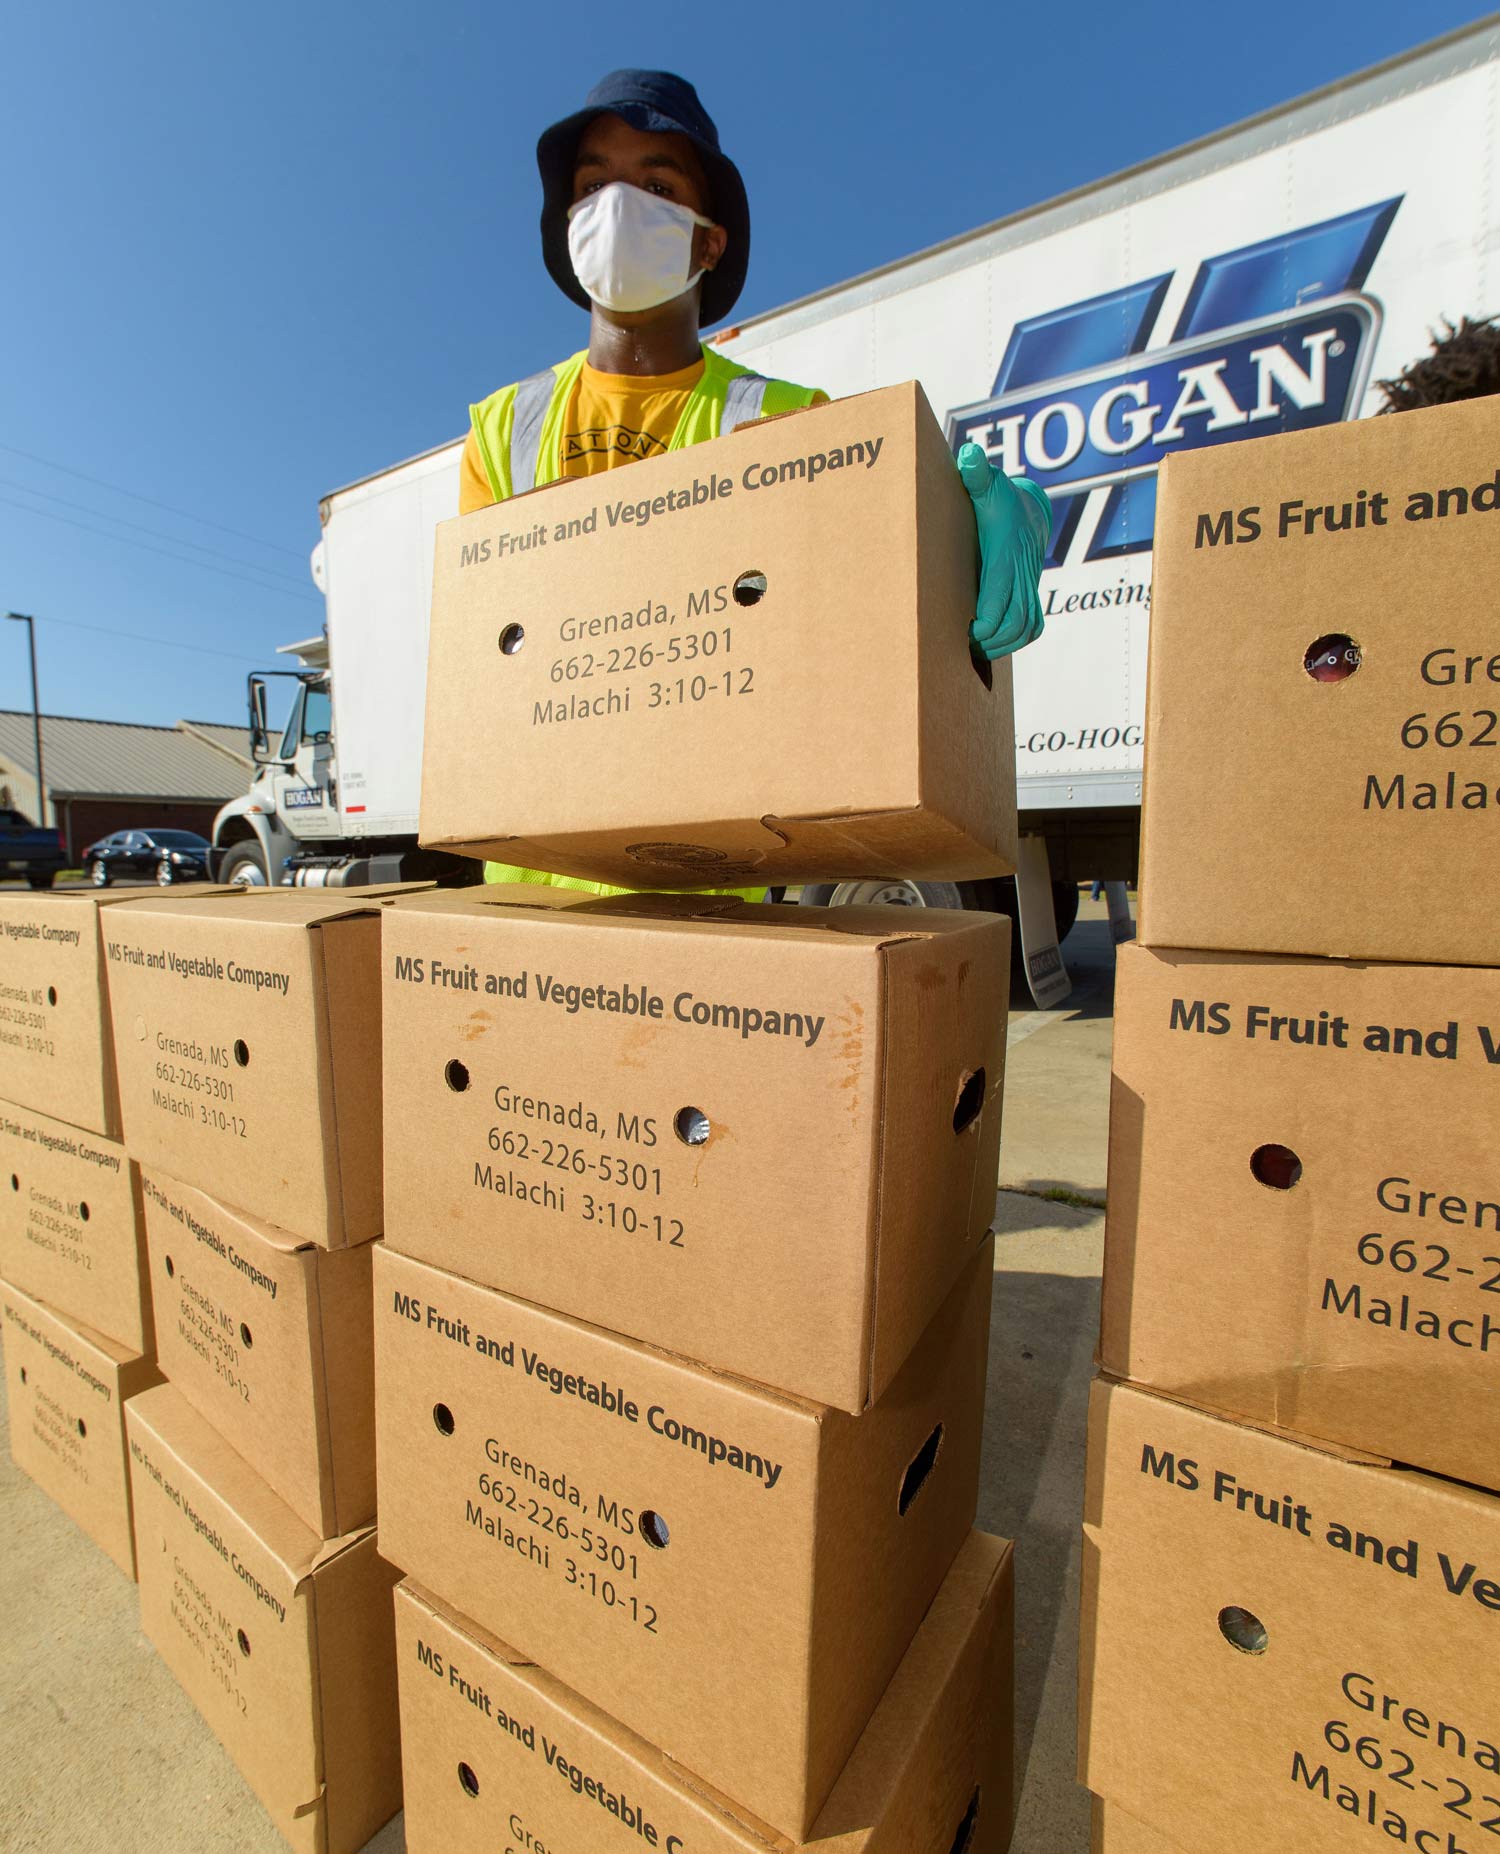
(661, 104)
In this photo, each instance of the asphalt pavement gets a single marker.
(101, 1752)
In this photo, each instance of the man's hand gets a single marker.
(1014, 519)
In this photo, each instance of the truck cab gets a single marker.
(291, 808)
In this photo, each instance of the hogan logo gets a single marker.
(1270, 337)
(1284, 374)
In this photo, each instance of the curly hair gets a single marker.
(1464, 364)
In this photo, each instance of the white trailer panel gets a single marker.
(376, 573)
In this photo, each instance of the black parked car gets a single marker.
(168, 855)
(28, 850)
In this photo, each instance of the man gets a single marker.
(646, 225)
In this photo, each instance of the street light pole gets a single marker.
(36, 717)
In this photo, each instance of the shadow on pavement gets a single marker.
(1041, 1361)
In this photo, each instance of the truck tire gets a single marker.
(98, 874)
(41, 878)
(898, 893)
(242, 867)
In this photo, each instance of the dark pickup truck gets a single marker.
(27, 850)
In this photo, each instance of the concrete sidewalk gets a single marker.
(101, 1753)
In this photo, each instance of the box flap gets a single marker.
(882, 923)
(291, 907)
(110, 898)
(94, 1351)
(565, 1324)
(203, 1456)
(158, 1178)
(1105, 1382)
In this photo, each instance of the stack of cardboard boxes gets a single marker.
(1293, 1516)
(248, 1039)
(682, 1310)
(74, 1289)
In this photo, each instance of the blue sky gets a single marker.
(252, 253)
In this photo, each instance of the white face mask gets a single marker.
(632, 249)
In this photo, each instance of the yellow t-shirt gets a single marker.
(614, 418)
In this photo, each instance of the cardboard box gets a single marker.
(67, 1388)
(664, 1095)
(284, 1641)
(1304, 1199)
(1282, 1648)
(730, 1572)
(747, 662)
(70, 1225)
(248, 1038)
(495, 1749)
(270, 1339)
(1292, 806)
(1115, 1832)
(56, 1053)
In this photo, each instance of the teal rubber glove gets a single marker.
(1014, 519)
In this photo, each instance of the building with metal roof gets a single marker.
(104, 776)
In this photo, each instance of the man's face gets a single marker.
(666, 165)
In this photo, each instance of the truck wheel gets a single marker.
(898, 893)
(42, 878)
(99, 875)
(242, 868)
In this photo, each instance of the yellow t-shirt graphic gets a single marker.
(621, 417)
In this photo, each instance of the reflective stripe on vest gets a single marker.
(533, 397)
(743, 398)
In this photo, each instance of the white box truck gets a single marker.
(1262, 280)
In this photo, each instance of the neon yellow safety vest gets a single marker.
(518, 432)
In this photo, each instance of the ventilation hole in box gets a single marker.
(692, 1126)
(1243, 1629)
(750, 587)
(443, 1417)
(245, 1336)
(654, 1529)
(915, 1477)
(23, 1374)
(242, 1052)
(456, 1075)
(244, 1641)
(83, 1428)
(964, 1839)
(1333, 658)
(171, 1268)
(983, 668)
(1276, 1166)
(970, 1101)
(52, 994)
(83, 1213)
(511, 639)
(15, 1183)
(467, 1781)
